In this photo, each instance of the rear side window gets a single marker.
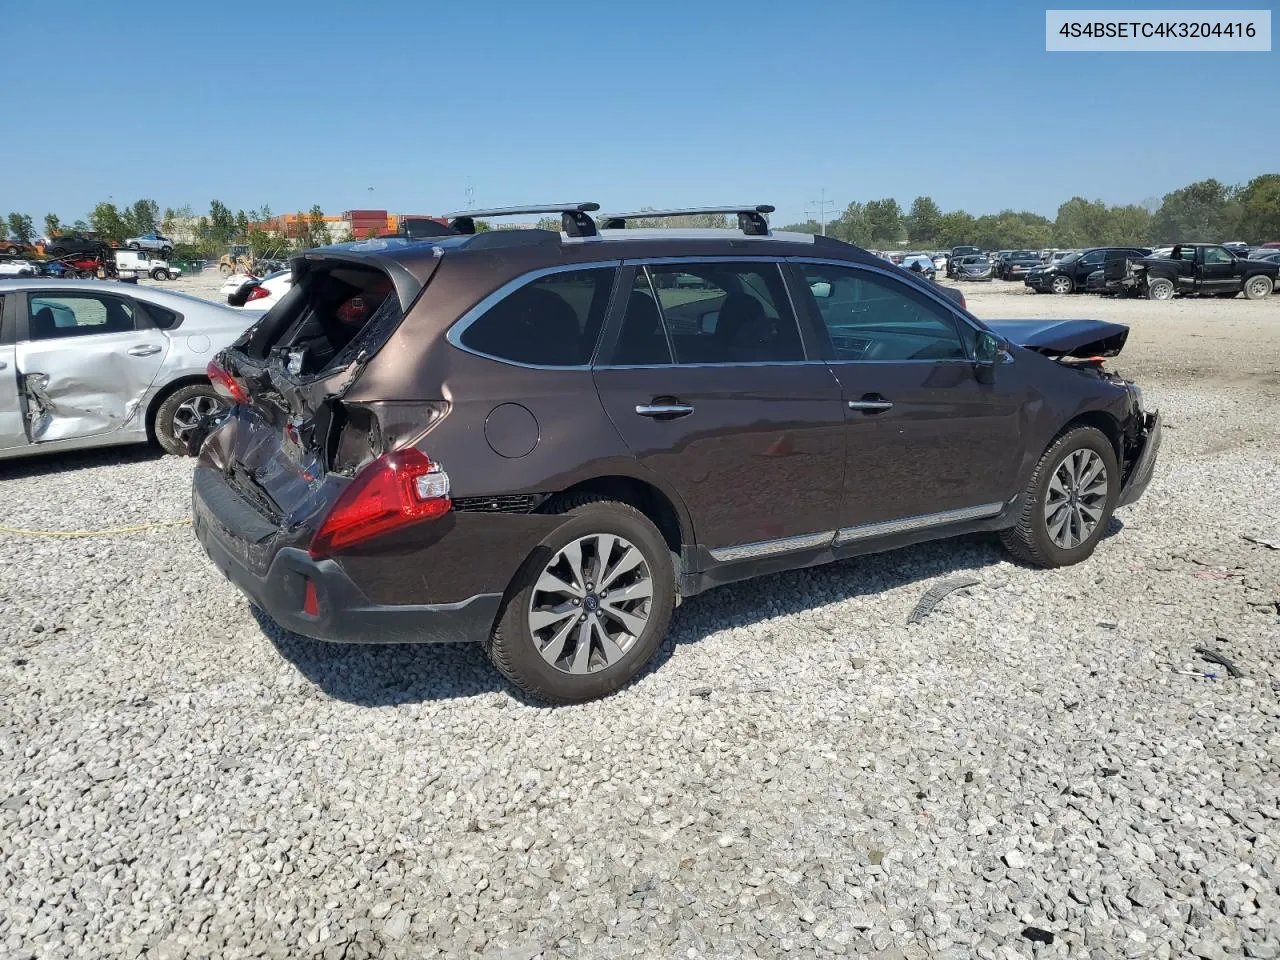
(553, 321)
(712, 313)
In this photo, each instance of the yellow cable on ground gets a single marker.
(109, 531)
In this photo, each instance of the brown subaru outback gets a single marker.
(542, 441)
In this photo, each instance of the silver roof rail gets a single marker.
(574, 219)
(751, 219)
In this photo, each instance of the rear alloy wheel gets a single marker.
(589, 607)
(1160, 288)
(1068, 502)
(11, 251)
(1258, 288)
(1061, 285)
(181, 413)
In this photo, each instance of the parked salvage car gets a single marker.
(66, 243)
(1199, 269)
(261, 294)
(17, 268)
(963, 250)
(90, 363)
(154, 242)
(1017, 264)
(543, 441)
(921, 260)
(13, 248)
(1069, 274)
(973, 267)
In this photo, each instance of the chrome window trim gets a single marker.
(459, 327)
(942, 301)
(885, 528)
(768, 548)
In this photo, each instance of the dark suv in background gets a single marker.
(1071, 273)
(543, 441)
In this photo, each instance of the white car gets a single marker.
(262, 294)
(94, 363)
(17, 268)
(152, 241)
(939, 261)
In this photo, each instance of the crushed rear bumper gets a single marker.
(1145, 464)
(234, 536)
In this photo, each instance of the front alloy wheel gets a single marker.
(1061, 285)
(1068, 500)
(1077, 497)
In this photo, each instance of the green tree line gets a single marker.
(1206, 210)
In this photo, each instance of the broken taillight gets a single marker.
(396, 490)
(257, 293)
(225, 385)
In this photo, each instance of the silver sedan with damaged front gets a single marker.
(96, 363)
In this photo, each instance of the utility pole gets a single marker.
(822, 210)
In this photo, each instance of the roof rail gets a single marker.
(573, 217)
(751, 219)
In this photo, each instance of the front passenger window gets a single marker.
(78, 315)
(874, 318)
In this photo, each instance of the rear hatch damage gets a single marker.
(295, 443)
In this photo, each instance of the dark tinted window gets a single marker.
(726, 313)
(872, 317)
(1093, 257)
(162, 318)
(77, 315)
(553, 321)
(642, 339)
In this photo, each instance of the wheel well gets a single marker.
(1107, 424)
(645, 497)
(164, 395)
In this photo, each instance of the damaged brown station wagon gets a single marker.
(542, 441)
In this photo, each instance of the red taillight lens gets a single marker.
(225, 385)
(257, 293)
(394, 491)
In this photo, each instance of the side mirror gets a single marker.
(991, 351)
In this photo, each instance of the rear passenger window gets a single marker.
(870, 317)
(553, 321)
(712, 312)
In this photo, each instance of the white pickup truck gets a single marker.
(142, 264)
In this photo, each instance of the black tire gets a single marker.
(11, 251)
(1062, 285)
(159, 273)
(512, 647)
(162, 425)
(1029, 540)
(1258, 287)
(1160, 288)
(134, 246)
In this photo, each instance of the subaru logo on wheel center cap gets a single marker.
(591, 603)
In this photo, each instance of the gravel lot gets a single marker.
(803, 774)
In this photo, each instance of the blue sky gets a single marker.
(660, 104)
